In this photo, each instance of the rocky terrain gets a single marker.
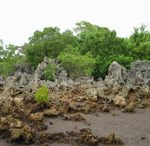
(24, 122)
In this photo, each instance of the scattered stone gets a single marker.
(51, 112)
(45, 145)
(16, 130)
(115, 114)
(120, 101)
(54, 137)
(91, 94)
(145, 102)
(143, 138)
(86, 137)
(36, 117)
(74, 117)
(130, 107)
(24, 135)
(106, 108)
(43, 137)
(111, 139)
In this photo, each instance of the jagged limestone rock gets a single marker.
(116, 74)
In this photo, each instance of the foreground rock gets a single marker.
(16, 130)
(84, 137)
(126, 89)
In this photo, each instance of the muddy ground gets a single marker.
(132, 128)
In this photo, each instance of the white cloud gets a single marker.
(20, 18)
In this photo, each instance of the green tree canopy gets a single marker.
(49, 42)
(76, 65)
(139, 43)
(76, 49)
(98, 40)
(9, 57)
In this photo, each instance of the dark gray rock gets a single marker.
(24, 68)
(116, 74)
(140, 73)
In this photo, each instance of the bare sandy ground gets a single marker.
(132, 128)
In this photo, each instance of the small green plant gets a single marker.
(6, 69)
(42, 95)
(49, 72)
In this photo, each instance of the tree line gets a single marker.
(86, 50)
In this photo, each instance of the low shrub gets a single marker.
(42, 95)
(77, 65)
(50, 72)
(102, 64)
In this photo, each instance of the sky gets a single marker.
(20, 18)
